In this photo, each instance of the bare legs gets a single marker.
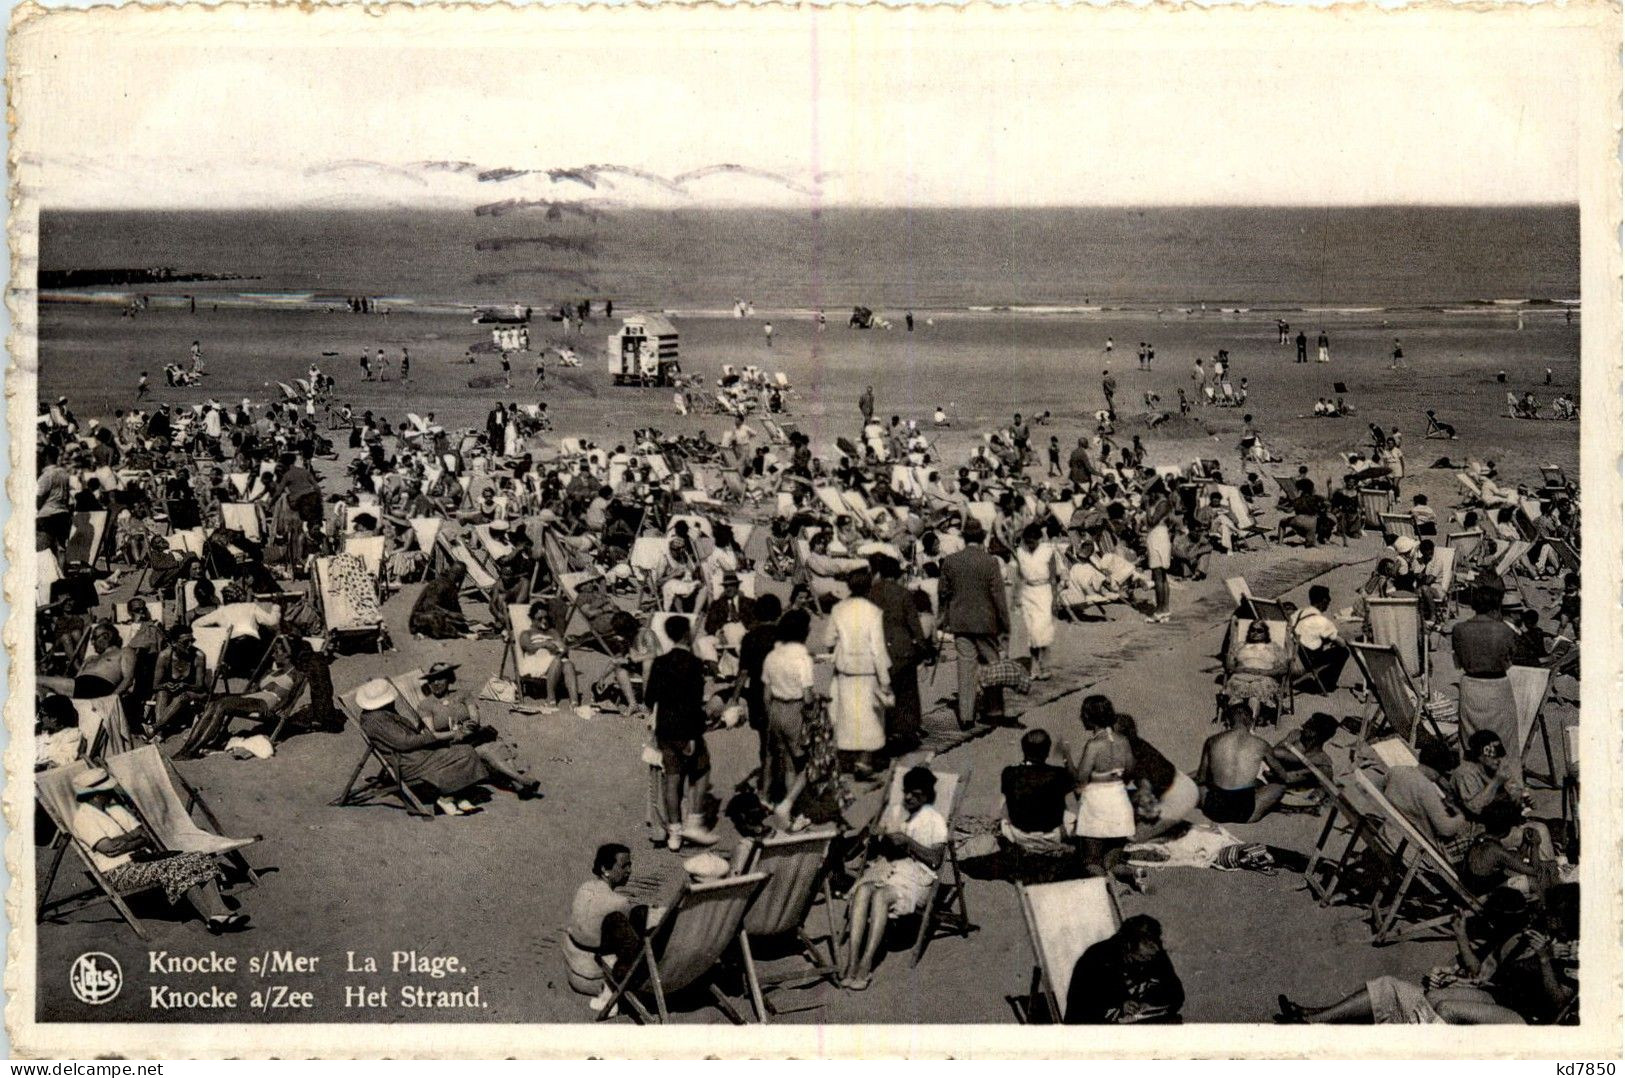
(867, 909)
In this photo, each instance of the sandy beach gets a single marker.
(374, 881)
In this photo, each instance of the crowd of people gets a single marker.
(698, 585)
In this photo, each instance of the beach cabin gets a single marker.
(643, 351)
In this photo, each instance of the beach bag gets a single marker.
(501, 690)
(1254, 856)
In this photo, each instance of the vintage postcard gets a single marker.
(543, 531)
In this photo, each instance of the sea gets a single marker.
(692, 260)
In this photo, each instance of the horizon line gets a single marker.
(818, 206)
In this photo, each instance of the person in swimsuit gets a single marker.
(109, 671)
(1228, 773)
(278, 689)
(1105, 813)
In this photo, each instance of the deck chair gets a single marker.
(1516, 551)
(1475, 496)
(1393, 752)
(344, 619)
(165, 802)
(1398, 702)
(243, 517)
(1464, 543)
(1436, 429)
(1364, 832)
(535, 665)
(46, 573)
(1398, 524)
(1374, 502)
(1553, 477)
(1566, 554)
(1529, 687)
(797, 869)
(1063, 921)
(370, 549)
(945, 911)
(87, 539)
(53, 791)
(1282, 637)
(490, 546)
(1425, 868)
(1288, 486)
(1398, 621)
(386, 782)
(103, 727)
(481, 578)
(686, 948)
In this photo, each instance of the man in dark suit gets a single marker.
(675, 691)
(906, 645)
(971, 602)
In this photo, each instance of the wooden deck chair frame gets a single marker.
(1475, 494)
(1425, 867)
(102, 890)
(193, 801)
(1362, 832)
(1531, 686)
(1374, 502)
(1566, 554)
(1516, 551)
(1052, 973)
(1398, 524)
(1435, 430)
(651, 972)
(1287, 642)
(388, 780)
(797, 866)
(1396, 621)
(1384, 673)
(945, 912)
(373, 630)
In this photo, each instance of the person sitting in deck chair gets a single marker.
(1417, 793)
(438, 613)
(180, 679)
(1323, 651)
(541, 639)
(1255, 673)
(604, 922)
(446, 712)
(278, 691)
(444, 761)
(121, 849)
(1438, 429)
(1303, 790)
(1125, 979)
(912, 841)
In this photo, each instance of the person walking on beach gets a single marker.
(1141, 356)
(1303, 347)
(1150, 354)
(908, 319)
(1108, 386)
(1323, 348)
(866, 404)
(1280, 331)
(767, 333)
(1108, 346)
(383, 366)
(507, 372)
(406, 366)
(1399, 356)
(541, 372)
(971, 596)
(1054, 457)
(366, 368)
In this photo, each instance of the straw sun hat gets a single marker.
(375, 694)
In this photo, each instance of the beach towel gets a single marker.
(103, 715)
(144, 778)
(1199, 847)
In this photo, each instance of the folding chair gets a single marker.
(534, 665)
(343, 618)
(1475, 496)
(1374, 502)
(945, 912)
(46, 573)
(1363, 833)
(1063, 920)
(87, 540)
(1435, 430)
(1282, 637)
(1397, 701)
(370, 549)
(387, 781)
(54, 793)
(1553, 477)
(1398, 621)
(1516, 550)
(1529, 687)
(797, 869)
(685, 949)
(1425, 868)
(1398, 524)
(243, 517)
(165, 802)
(1566, 554)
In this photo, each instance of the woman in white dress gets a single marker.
(1035, 595)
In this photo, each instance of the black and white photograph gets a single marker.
(610, 522)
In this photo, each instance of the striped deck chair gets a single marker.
(1374, 502)
(1429, 877)
(1063, 921)
(797, 867)
(1398, 524)
(685, 949)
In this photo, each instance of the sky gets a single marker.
(835, 106)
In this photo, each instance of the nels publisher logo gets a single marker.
(95, 978)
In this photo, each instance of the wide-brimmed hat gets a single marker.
(499, 525)
(439, 671)
(92, 780)
(1404, 545)
(376, 694)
